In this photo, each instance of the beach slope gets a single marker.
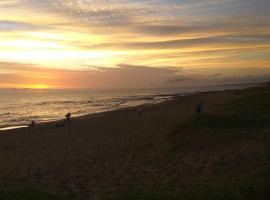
(167, 152)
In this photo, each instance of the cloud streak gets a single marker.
(156, 36)
(125, 76)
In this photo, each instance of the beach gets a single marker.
(114, 152)
(18, 107)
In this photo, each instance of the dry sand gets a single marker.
(105, 153)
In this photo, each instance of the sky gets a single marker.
(121, 44)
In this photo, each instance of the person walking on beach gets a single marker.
(199, 108)
(68, 118)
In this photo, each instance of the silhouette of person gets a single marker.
(199, 108)
(68, 118)
(32, 124)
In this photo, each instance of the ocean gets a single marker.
(19, 106)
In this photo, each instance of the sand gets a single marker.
(105, 153)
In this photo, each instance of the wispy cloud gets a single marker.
(6, 25)
(124, 76)
(222, 41)
(153, 35)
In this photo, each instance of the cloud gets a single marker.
(6, 25)
(215, 75)
(145, 68)
(125, 76)
(178, 79)
(211, 27)
(132, 76)
(14, 66)
(101, 11)
(224, 41)
(150, 37)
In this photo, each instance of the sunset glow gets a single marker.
(96, 43)
(37, 86)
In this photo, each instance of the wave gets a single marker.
(102, 102)
(60, 102)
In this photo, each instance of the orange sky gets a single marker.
(133, 43)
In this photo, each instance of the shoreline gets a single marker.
(47, 124)
(173, 96)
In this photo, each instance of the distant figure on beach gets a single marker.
(32, 124)
(140, 110)
(68, 118)
(199, 108)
